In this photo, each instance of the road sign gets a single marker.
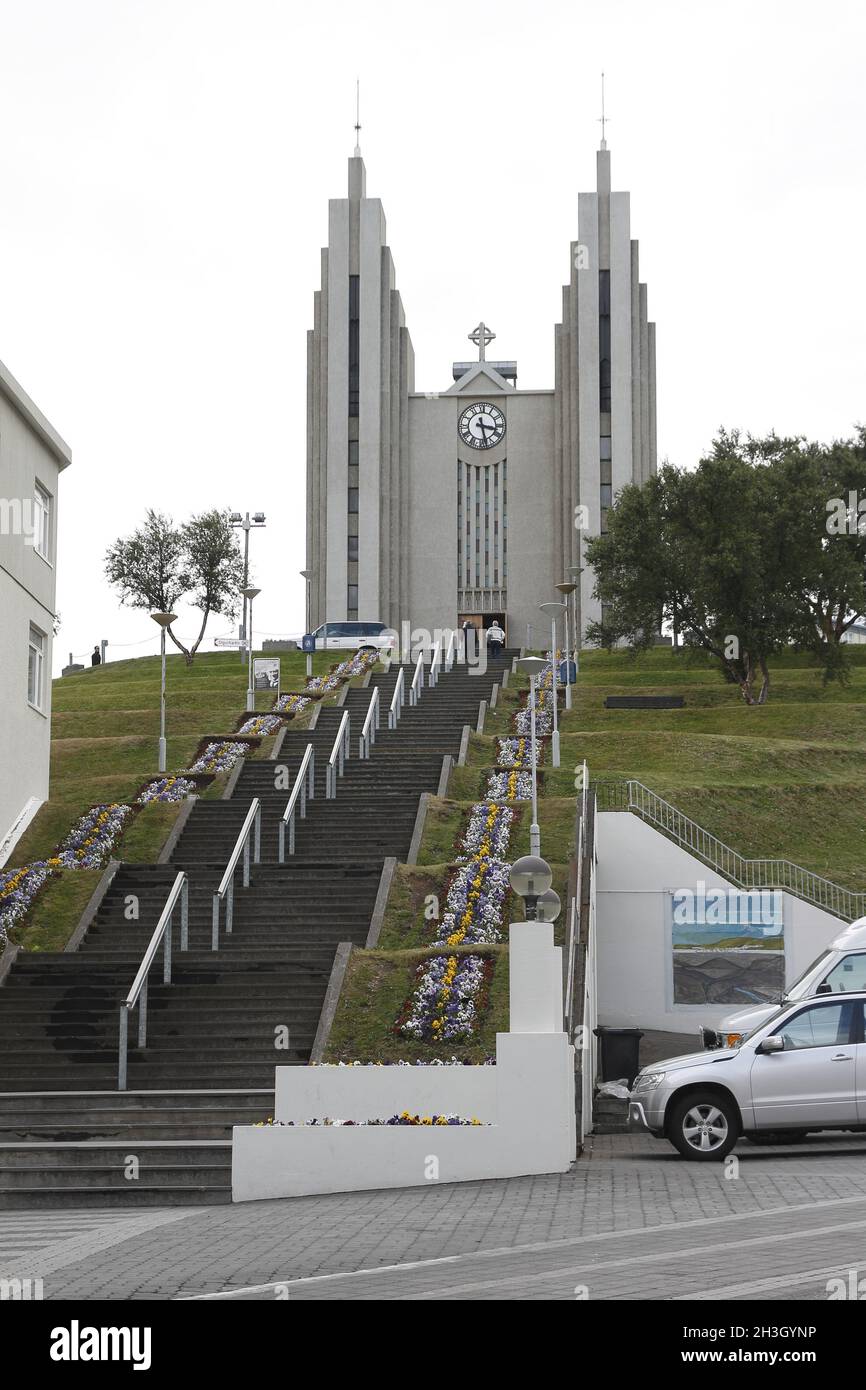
(230, 642)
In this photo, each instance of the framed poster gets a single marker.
(727, 946)
(266, 673)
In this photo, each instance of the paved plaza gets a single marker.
(630, 1221)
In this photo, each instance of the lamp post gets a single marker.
(164, 621)
(249, 595)
(576, 571)
(307, 576)
(553, 608)
(565, 590)
(533, 666)
(246, 525)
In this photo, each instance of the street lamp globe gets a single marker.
(530, 877)
(548, 907)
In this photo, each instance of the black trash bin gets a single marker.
(619, 1053)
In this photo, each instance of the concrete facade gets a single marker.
(406, 521)
(32, 456)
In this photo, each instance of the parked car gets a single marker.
(354, 636)
(840, 969)
(803, 1069)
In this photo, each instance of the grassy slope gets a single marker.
(785, 780)
(105, 727)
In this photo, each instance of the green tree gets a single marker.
(161, 564)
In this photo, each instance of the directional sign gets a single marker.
(230, 642)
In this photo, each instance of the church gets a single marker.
(469, 500)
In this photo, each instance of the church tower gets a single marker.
(360, 370)
(605, 377)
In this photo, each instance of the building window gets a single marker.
(604, 393)
(606, 495)
(353, 547)
(36, 667)
(352, 601)
(353, 501)
(604, 449)
(42, 522)
(354, 344)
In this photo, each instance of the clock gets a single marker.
(481, 426)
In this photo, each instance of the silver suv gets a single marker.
(802, 1069)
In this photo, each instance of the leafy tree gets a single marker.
(714, 563)
(160, 564)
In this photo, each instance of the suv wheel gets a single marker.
(704, 1127)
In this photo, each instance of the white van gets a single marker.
(840, 969)
(353, 636)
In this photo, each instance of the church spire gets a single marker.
(602, 118)
(358, 118)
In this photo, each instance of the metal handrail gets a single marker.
(745, 873)
(138, 992)
(252, 825)
(337, 761)
(371, 724)
(304, 788)
(573, 928)
(449, 652)
(417, 680)
(435, 664)
(396, 700)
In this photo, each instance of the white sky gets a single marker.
(165, 170)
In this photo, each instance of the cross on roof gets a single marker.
(481, 336)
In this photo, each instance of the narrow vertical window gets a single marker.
(42, 522)
(36, 667)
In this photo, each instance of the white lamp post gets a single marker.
(307, 576)
(164, 620)
(249, 595)
(576, 571)
(246, 525)
(533, 666)
(565, 590)
(553, 608)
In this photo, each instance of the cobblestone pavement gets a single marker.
(630, 1221)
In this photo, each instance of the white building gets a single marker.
(32, 457)
(467, 501)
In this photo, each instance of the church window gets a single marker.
(353, 499)
(354, 345)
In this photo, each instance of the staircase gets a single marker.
(228, 1018)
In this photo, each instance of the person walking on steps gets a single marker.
(495, 639)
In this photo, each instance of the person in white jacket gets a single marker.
(495, 639)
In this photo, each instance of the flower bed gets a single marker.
(509, 786)
(448, 1000)
(91, 840)
(474, 904)
(260, 725)
(18, 888)
(87, 846)
(219, 757)
(517, 752)
(543, 715)
(487, 832)
(171, 788)
(291, 704)
(404, 1119)
(432, 1062)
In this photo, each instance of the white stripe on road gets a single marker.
(539, 1247)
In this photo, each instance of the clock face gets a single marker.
(481, 426)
